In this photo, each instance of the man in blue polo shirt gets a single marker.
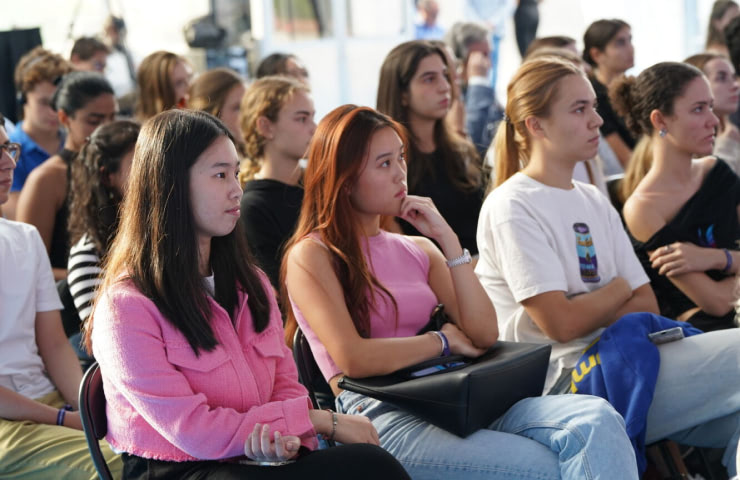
(39, 134)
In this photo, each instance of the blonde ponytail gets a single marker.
(530, 93)
(639, 164)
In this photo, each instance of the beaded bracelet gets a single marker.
(728, 256)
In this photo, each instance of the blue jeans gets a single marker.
(553, 437)
(697, 394)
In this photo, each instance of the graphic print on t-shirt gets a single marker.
(587, 263)
(706, 237)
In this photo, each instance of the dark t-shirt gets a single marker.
(269, 211)
(460, 209)
(708, 219)
(612, 122)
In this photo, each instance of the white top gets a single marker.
(26, 287)
(533, 239)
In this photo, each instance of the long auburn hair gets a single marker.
(156, 247)
(461, 160)
(335, 159)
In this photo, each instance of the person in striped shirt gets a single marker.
(99, 181)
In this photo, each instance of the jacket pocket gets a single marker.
(269, 346)
(182, 356)
(266, 355)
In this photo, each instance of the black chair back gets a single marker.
(309, 374)
(94, 418)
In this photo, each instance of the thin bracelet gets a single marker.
(728, 265)
(334, 421)
(445, 343)
(60, 416)
(62, 412)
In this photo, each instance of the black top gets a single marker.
(612, 121)
(269, 210)
(460, 209)
(708, 219)
(59, 247)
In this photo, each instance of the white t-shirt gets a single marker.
(26, 287)
(533, 239)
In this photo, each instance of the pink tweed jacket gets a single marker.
(165, 403)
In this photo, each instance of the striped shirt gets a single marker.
(83, 275)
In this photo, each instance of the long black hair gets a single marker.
(156, 246)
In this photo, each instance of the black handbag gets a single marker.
(459, 394)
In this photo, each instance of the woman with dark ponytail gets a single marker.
(682, 213)
(83, 101)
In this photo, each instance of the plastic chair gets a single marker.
(309, 374)
(94, 418)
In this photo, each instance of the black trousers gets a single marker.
(346, 462)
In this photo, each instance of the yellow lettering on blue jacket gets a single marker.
(577, 376)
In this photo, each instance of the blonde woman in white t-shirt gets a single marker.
(558, 265)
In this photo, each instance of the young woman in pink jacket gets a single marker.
(197, 378)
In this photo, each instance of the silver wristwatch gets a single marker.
(461, 260)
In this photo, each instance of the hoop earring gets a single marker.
(663, 132)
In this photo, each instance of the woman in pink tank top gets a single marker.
(360, 294)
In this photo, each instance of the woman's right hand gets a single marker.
(355, 429)
(260, 447)
(460, 344)
(350, 428)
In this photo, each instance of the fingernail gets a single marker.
(291, 446)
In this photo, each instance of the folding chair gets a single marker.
(309, 374)
(93, 416)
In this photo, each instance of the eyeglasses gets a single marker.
(13, 149)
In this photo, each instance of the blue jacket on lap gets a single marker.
(622, 366)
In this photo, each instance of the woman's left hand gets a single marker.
(424, 216)
(682, 257)
(260, 447)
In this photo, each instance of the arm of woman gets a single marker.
(39, 201)
(713, 297)
(134, 356)
(315, 290)
(60, 361)
(459, 289)
(683, 263)
(564, 319)
(14, 406)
